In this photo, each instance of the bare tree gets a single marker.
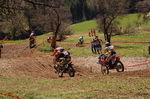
(16, 25)
(108, 11)
(144, 8)
(58, 13)
(54, 12)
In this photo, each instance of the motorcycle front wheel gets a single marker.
(59, 71)
(60, 74)
(104, 69)
(71, 71)
(119, 66)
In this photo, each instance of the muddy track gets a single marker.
(18, 60)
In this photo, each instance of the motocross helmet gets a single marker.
(61, 49)
(107, 44)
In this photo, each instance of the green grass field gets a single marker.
(102, 87)
(82, 29)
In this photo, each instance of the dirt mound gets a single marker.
(15, 51)
(40, 66)
(29, 66)
(18, 60)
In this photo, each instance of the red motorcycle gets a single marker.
(114, 63)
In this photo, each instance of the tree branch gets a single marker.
(43, 4)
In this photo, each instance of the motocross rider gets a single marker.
(32, 35)
(60, 52)
(81, 40)
(31, 39)
(109, 51)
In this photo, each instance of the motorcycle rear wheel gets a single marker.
(119, 66)
(104, 69)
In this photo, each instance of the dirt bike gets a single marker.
(114, 63)
(62, 67)
(32, 43)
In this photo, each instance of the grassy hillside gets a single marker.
(122, 49)
(82, 29)
(125, 20)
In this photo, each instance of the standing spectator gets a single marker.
(49, 39)
(1, 46)
(32, 42)
(94, 32)
(93, 44)
(98, 45)
(89, 34)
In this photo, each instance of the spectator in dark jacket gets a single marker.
(98, 45)
(93, 44)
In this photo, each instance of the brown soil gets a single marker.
(18, 60)
(15, 51)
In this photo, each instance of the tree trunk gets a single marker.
(29, 23)
(53, 44)
(14, 34)
(107, 36)
(109, 40)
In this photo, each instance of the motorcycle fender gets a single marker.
(103, 62)
(118, 58)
